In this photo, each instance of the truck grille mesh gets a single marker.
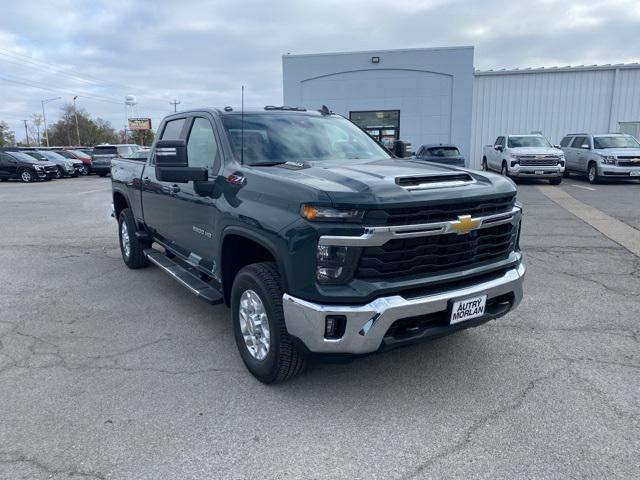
(438, 253)
(438, 213)
(538, 162)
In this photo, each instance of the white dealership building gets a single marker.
(434, 95)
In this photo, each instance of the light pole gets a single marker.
(75, 112)
(44, 115)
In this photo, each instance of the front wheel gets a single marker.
(555, 181)
(485, 167)
(27, 176)
(259, 328)
(592, 173)
(505, 170)
(131, 248)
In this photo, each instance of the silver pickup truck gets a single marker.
(610, 156)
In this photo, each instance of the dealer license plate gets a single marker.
(635, 173)
(467, 309)
(539, 172)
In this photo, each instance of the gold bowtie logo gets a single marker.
(464, 224)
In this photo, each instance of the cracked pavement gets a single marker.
(108, 373)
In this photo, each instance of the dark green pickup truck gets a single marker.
(321, 242)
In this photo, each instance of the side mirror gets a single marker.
(172, 164)
(557, 146)
(499, 148)
(584, 146)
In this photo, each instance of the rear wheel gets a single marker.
(27, 176)
(131, 248)
(266, 348)
(59, 172)
(103, 174)
(85, 170)
(592, 173)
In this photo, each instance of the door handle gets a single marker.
(146, 180)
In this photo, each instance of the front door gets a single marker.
(5, 165)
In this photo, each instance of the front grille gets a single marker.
(438, 213)
(538, 162)
(437, 253)
(628, 163)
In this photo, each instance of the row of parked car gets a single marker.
(30, 164)
(611, 156)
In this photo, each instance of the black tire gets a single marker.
(59, 172)
(504, 171)
(4, 179)
(136, 257)
(103, 174)
(555, 181)
(283, 360)
(592, 173)
(27, 176)
(567, 173)
(85, 170)
(484, 166)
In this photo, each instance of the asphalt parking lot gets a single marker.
(107, 373)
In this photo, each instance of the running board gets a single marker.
(183, 276)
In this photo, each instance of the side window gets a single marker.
(172, 129)
(578, 142)
(4, 159)
(499, 141)
(565, 142)
(202, 149)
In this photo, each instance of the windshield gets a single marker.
(23, 156)
(64, 154)
(622, 141)
(528, 141)
(36, 155)
(105, 151)
(278, 138)
(80, 154)
(444, 152)
(53, 156)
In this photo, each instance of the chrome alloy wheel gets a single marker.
(126, 242)
(254, 324)
(593, 173)
(26, 176)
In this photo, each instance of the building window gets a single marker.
(382, 125)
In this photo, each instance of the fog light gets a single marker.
(334, 326)
(327, 274)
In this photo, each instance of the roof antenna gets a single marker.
(242, 129)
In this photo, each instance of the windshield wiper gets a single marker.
(266, 164)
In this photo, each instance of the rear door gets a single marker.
(580, 148)
(495, 156)
(565, 144)
(7, 165)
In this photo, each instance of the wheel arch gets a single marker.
(241, 247)
(120, 202)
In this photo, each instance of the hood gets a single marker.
(624, 152)
(536, 151)
(391, 182)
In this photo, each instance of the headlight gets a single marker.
(327, 214)
(608, 159)
(38, 167)
(335, 264)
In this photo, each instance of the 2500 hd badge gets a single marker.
(323, 244)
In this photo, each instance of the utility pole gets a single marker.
(175, 104)
(37, 121)
(75, 112)
(44, 115)
(26, 133)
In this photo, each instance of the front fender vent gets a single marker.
(423, 182)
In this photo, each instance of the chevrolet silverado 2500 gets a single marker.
(319, 240)
(524, 156)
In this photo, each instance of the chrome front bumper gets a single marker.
(616, 171)
(367, 325)
(530, 171)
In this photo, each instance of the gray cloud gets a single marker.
(201, 52)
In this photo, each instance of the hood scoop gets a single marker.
(424, 182)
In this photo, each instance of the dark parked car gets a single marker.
(321, 242)
(16, 164)
(103, 154)
(441, 153)
(66, 166)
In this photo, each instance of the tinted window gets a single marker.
(528, 141)
(626, 141)
(297, 137)
(499, 141)
(172, 129)
(110, 150)
(565, 141)
(64, 154)
(202, 149)
(579, 141)
(444, 152)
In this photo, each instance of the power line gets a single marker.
(175, 104)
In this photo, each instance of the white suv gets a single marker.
(609, 155)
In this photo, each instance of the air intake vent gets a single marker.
(434, 181)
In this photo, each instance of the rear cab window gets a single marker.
(444, 152)
(105, 150)
(565, 141)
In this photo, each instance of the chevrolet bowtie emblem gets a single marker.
(464, 224)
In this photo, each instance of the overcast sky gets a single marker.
(201, 52)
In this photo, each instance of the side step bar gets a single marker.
(184, 277)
